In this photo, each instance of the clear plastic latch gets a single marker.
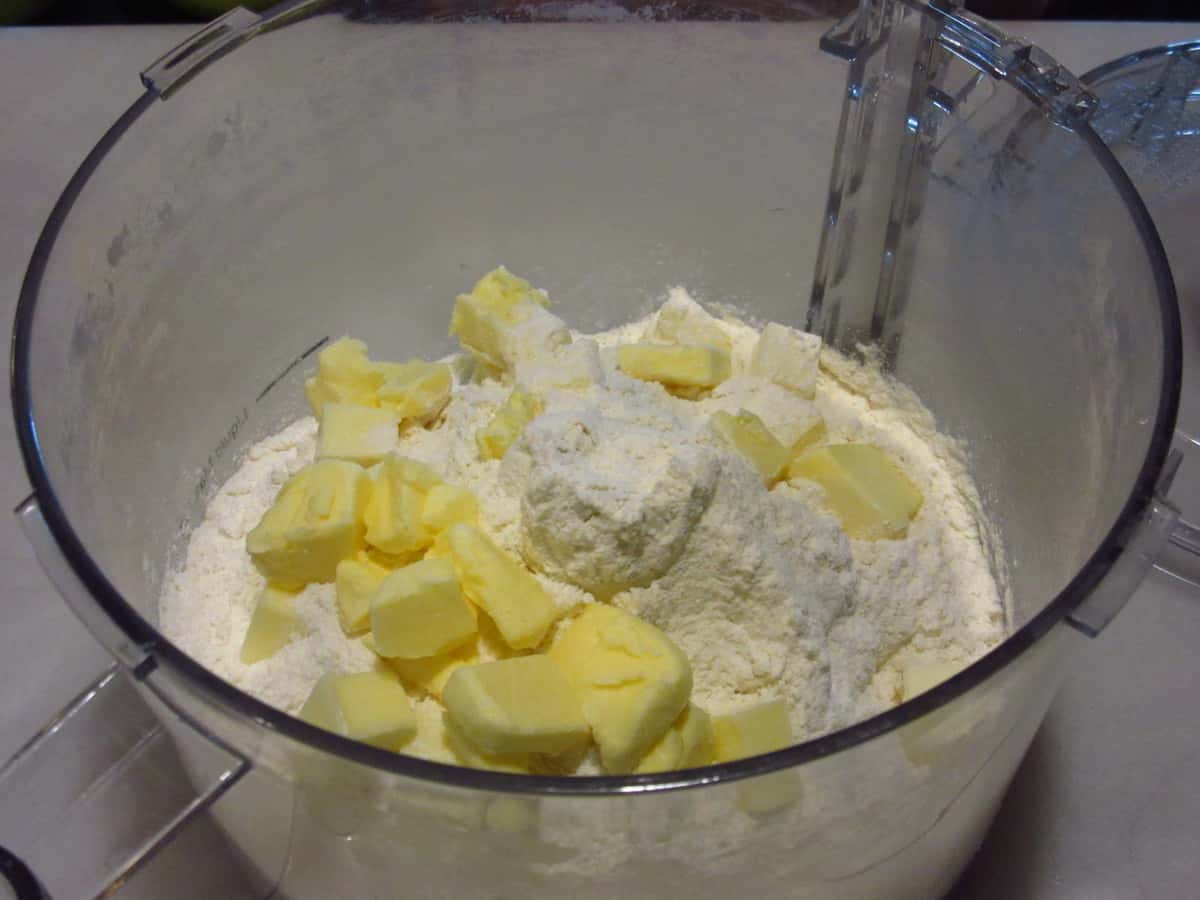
(171, 70)
(1015, 60)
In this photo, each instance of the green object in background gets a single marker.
(210, 9)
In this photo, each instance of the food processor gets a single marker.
(329, 168)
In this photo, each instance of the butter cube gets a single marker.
(393, 514)
(688, 743)
(313, 525)
(506, 425)
(865, 488)
(675, 366)
(501, 587)
(788, 357)
(576, 366)
(360, 434)
(917, 678)
(519, 705)
(747, 434)
(681, 320)
(503, 321)
(355, 582)
(633, 680)
(344, 375)
(941, 737)
(446, 505)
(430, 674)
(419, 611)
(273, 624)
(468, 753)
(415, 389)
(751, 732)
(810, 437)
(371, 707)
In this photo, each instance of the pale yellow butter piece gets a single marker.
(503, 320)
(810, 437)
(674, 365)
(917, 678)
(344, 375)
(371, 707)
(519, 705)
(750, 732)
(687, 743)
(506, 425)
(681, 320)
(501, 587)
(430, 674)
(355, 582)
(864, 487)
(419, 611)
(788, 357)
(446, 505)
(415, 389)
(360, 434)
(314, 523)
(747, 434)
(633, 681)
(393, 514)
(273, 625)
(468, 753)
(941, 737)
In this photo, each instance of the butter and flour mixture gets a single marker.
(676, 469)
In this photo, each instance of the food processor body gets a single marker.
(350, 173)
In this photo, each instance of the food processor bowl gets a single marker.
(323, 169)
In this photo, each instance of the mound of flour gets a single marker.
(620, 493)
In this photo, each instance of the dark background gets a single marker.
(100, 12)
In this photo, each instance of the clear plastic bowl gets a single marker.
(330, 168)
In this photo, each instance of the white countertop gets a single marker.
(1107, 804)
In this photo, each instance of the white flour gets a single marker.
(620, 492)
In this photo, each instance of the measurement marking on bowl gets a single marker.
(218, 451)
(295, 362)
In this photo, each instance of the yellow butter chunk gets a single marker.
(446, 505)
(865, 488)
(467, 753)
(681, 320)
(415, 389)
(419, 611)
(519, 705)
(393, 514)
(506, 425)
(501, 587)
(747, 434)
(344, 375)
(314, 523)
(787, 357)
(633, 681)
(810, 437)
(750, 732)
(917, 678)
(355, 582)
(273, 624)
(430, 674)
(361, 434)
(504, 320)
(679, 366)
(371, 707)
(688, 743)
